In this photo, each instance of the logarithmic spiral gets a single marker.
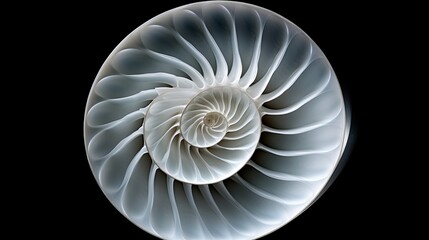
(215, 120)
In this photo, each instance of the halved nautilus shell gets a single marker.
(215, 120)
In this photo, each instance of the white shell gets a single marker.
(215, 120)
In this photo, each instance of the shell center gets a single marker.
(212, 119)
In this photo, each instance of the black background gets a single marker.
(350, 35)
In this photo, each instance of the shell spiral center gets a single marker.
(209, 135)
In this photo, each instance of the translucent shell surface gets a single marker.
(215, 120)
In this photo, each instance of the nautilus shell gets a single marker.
(215, 120)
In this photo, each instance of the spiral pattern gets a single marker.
(215, 120)
(206, 139)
